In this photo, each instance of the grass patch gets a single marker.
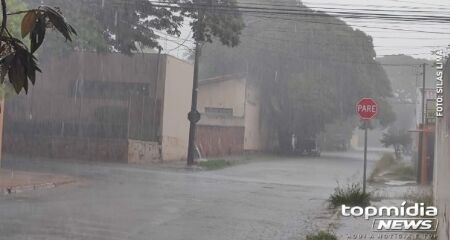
(350, 195)
(214, 164)
(403, 172)
(385, 162)
(387, 168)
(425, 197)
(414, 196)
(321, 235)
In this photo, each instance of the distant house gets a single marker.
(230, 117)
(103, 107)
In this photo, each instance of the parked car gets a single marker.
(308, 147)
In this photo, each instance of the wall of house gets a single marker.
(221, 133)
(223, 94)
(254, 139)
(143, 151)
(219, 141)
(176, 105)
(442, 163)
(100, 99)
(91, 149)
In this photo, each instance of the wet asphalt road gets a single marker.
(271, 199)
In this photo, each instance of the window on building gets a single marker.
(108, 89)
(222, 112)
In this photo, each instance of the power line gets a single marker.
(308, 12)
(182, 43)
(267, 14)
(299, 11)
(353, 25)
(440, 7)
(294, 57)
(428, 4)
(349, 45)
(263, 12)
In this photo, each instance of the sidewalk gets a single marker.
(351, 227)
(18, 181)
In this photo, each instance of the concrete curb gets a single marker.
(40, 186)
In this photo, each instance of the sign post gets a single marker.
(366, 126)
(366, 108)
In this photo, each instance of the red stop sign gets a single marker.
(366, 108)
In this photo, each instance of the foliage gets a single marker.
(16, 60)
(419, 196)
(309, 73)
(321, 235)
(336, 136)
(211, 21)
(129, 26)
(385, 162)
(404, 81)
(390, 169)
(404, 172)
(14, 21)
(350, 195)
(386, 115)
(214, 164)
(400, 140)
(115, 26)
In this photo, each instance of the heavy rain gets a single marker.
(224, 119)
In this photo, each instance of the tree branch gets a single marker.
(24, 11)
(5, 17)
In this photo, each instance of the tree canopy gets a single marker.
(399, 139)
(17, 60)
(127, 26)
(311, 71)
(405, 74)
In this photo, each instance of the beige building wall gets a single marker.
(253, 137)
(243, 98)
(177, 103)
(222, 94)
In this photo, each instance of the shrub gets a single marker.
(417, 196)
(404, 172)
(350, 195)
(385, 162)
(214, 164)
(321, 235)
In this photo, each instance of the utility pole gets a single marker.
(194, 115)
(422, 127)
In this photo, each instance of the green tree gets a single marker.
(127, 26)
(13, 25)
(400, 140)
(405, 75)
(311, 70)
(113, 26)
(17, 61)
(14, 21)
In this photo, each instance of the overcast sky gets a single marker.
(415, 38)
(416, 44)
